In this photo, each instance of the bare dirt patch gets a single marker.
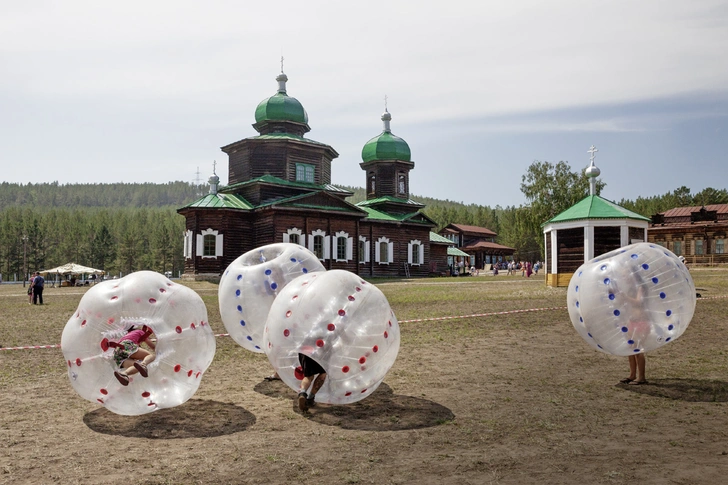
(514, 398)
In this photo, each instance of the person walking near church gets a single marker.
(38, 284)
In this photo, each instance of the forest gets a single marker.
(128, 227)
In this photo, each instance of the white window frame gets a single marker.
(326, 243)
(420, 252)
(295, 230)
(720, 246)
(187, 250)
(367, 250)
(349, 246)
(200, 243)
(701, 243)
(390, 251)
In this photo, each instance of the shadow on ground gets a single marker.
(381, 411)
(692, 390)
(194, 419)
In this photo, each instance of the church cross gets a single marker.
(592, 150)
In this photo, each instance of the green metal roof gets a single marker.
(221, 201)
(386, 146)
(452, 251)
(389, 198)
(279, 181)
(386, 216)
(286, 136)
(595, 207)
(281, 107)
(436, 238)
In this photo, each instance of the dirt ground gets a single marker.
(503, 399)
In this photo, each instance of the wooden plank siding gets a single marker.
(570, 249)
(605, 239)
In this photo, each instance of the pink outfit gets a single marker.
(136, 336)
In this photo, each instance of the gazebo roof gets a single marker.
(595, 207)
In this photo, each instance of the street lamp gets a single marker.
(25, 259)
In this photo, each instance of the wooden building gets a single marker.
(280, 191)
(478, 243)
(697, 233)
(591, 227)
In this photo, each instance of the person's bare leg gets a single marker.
(632, 370)
(302, 396)
(317, 385)
(640, 360)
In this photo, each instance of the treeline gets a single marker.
(122, 228)
(54, 195)
(119, 240)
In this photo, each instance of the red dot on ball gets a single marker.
(189, 373)
(351, 298)
(345, 369)
(288, 313)
(198, 375)
(100, 400)
(386, 335)
(357, 288)
(177, 368)
(152, 300)
(363, 391)
(78, 362)
(192, 326)
(162, 290)
(145, 394)
(110, 321)
(348, 393)
(331, 327)
(362, 360)
(69, 363)
(151, 404)
(178, 329)
(375, 348)
(286, 333)
(83, 323)
(319, 343)
(114, 298)
(104, 392)
(390, 323)
(342, 313)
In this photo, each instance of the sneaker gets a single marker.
(311, 401)
(122, 378)
(302, 401)
(141, 368)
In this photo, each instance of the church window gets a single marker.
(318, 246)
(344, 246)
(719, 246)
(209, 244)
(372, 183)
(384, 251)
(402, 184)
(305, 173)
(677, 247)
(293, 236)
(363, 250)
(415, 252)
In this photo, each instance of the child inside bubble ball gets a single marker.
(312, 372)
(639, 328)
(130, 356)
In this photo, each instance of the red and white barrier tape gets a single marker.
(417, 320)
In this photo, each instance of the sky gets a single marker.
(148, 91)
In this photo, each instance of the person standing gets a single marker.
(38, 284)
(30, 289)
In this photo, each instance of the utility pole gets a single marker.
(25, 259)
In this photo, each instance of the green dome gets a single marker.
(386, 147)
(281, 107)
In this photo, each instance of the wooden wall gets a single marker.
(570, 249)
(605, 239)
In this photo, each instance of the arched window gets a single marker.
(344, 246)
(415, 252)
(209, 244)
(363, 250)
(372, 183)
(402, 183)
(319, 244)
(384, 251)
(293, 236)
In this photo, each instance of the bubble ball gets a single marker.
(631, 300)
(185, 343)
(343, 323)
(251, 283)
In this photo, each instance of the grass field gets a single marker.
(510, 398)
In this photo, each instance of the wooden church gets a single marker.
(279, 190)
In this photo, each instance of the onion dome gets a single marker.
(386, 146)
(280, 106)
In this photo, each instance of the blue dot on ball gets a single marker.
(645, 266)
(599, 346)
(655, 280)
(250, 338)
(631, 342)
(240, 309)
(257, 348)
(603, 267)
(577, 304)
(293, 260)
(581, 320)
(304, 270)
(273, 286)
(668, 313)
(577, 288)
(240, 277)
(242, 323)
(237, 292)
(636, 351)
(616, 313)
(668, 339)
(611, 296)
(625, 329)
(579, 275)
(634, 256)
(670, 327)
(590, 335)
(662, 295)
(268, 272)
(607, 281)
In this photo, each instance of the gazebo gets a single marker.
(71, 269)
(591, 227)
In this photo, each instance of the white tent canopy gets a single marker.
(72, 268)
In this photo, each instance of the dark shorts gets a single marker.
(310, 366)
